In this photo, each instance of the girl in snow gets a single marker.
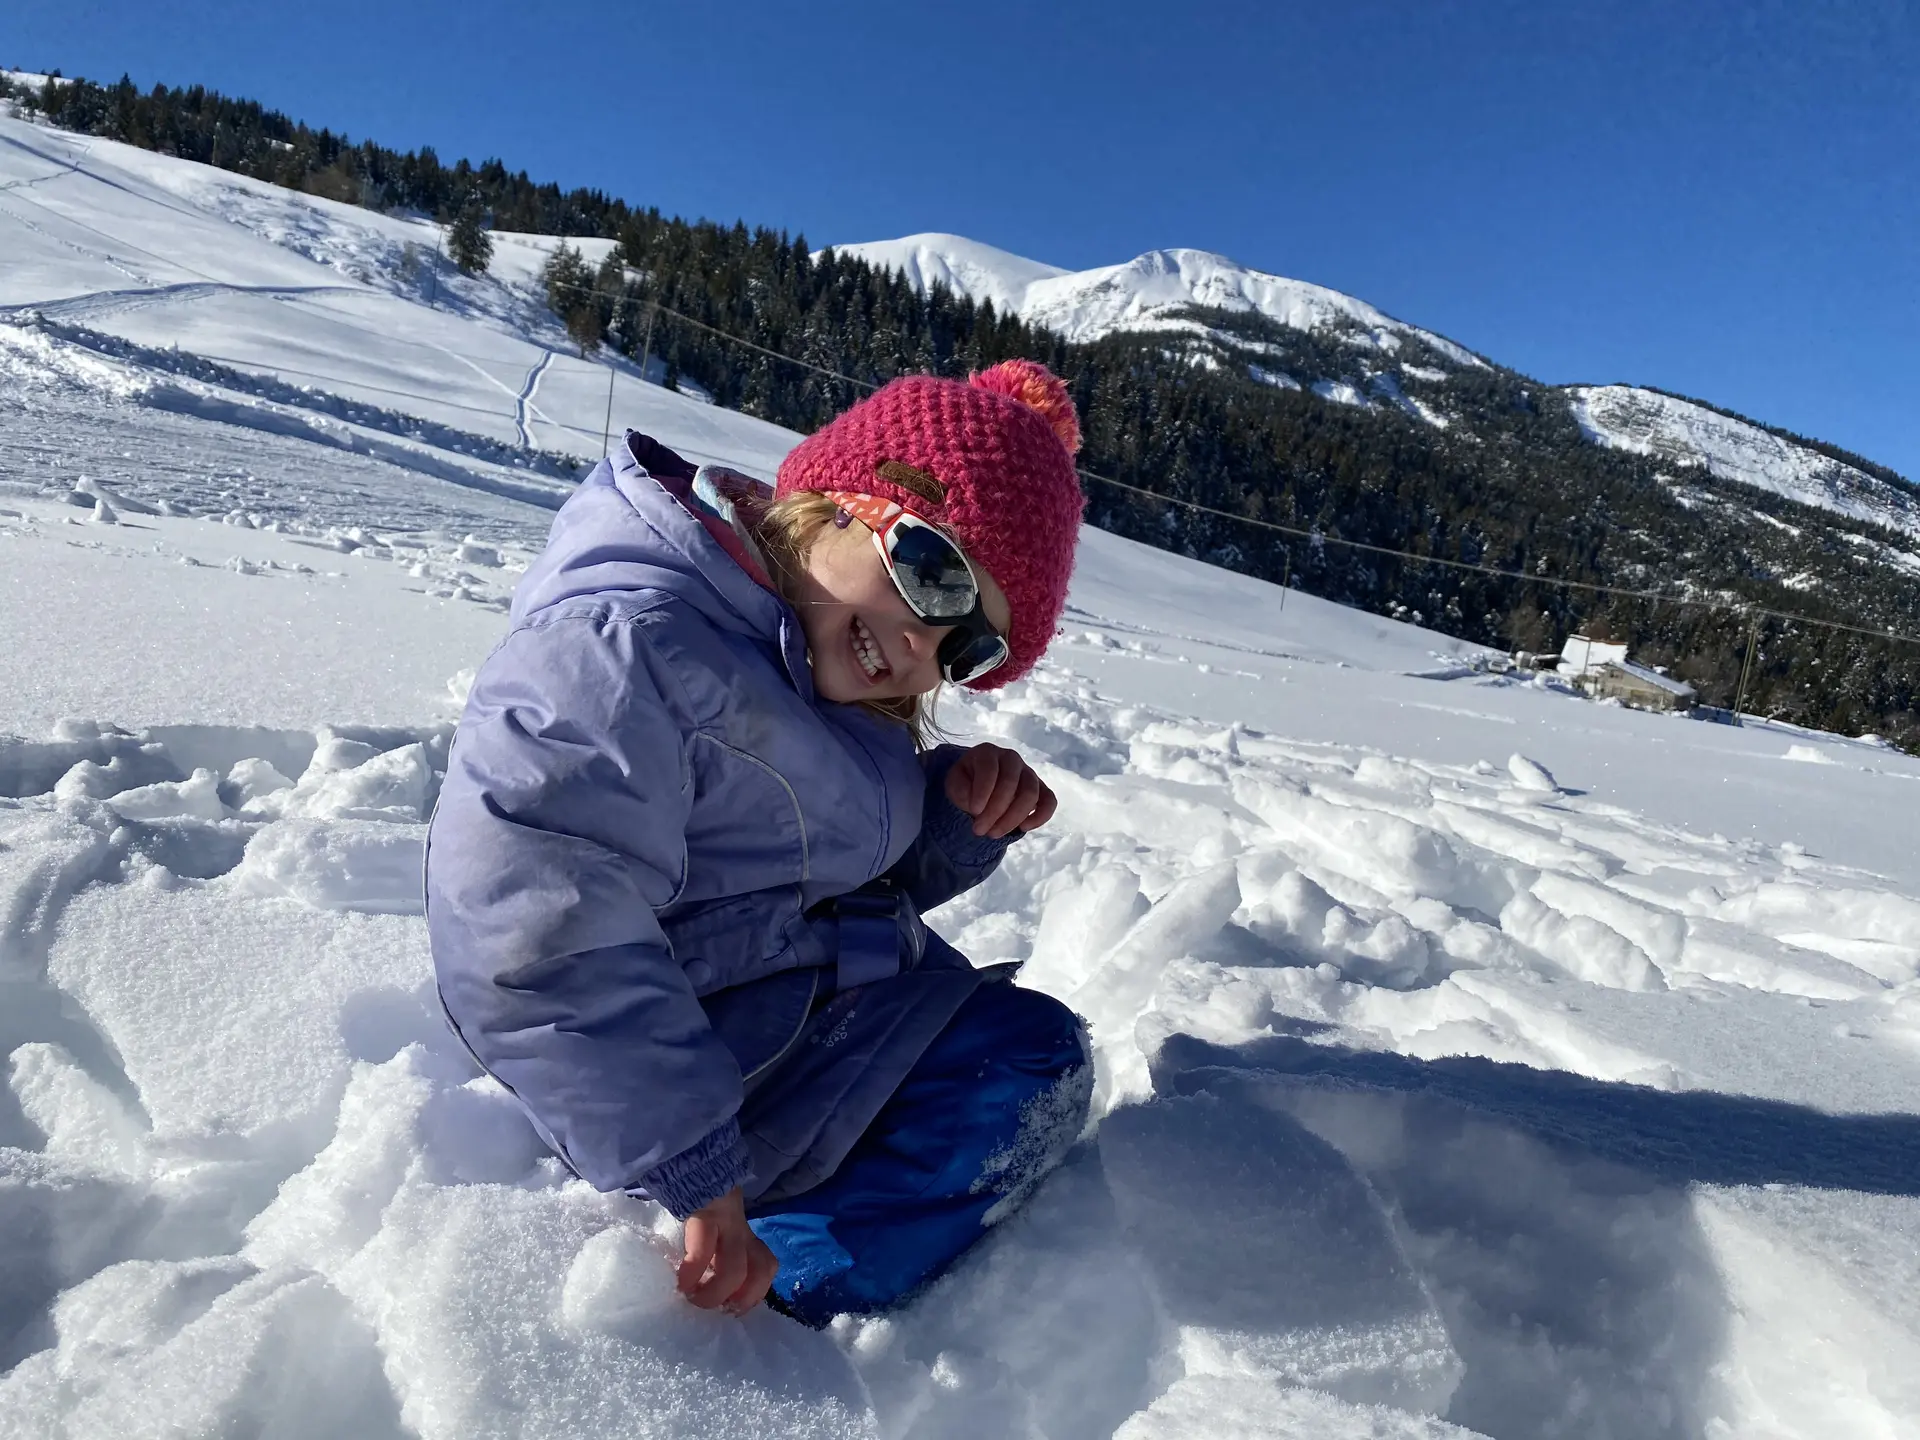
(691, 821)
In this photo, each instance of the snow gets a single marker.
(168, 255)
(1139, 295)
(1649, 423)
(1581, 656)
(1385, 385)
(964, 266)
(1340, 392)
(1469, 1059)
(1654, 678)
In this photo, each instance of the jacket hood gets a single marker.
(628, 531)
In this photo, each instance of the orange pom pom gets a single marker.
(1032, 384)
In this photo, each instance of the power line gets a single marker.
(751, 345)
(667, 309)
(1317, 536)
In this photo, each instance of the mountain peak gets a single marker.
(1149, 292)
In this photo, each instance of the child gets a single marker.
(689, 827)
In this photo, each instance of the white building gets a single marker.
(1581, 657)
(1604, 672)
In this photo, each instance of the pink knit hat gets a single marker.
(989, 460)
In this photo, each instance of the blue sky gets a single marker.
(1719, 199)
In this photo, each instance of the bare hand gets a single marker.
(1000, 791)
(727, 1266)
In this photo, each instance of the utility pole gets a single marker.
(1746, 668)
(606, 431)
(646, 343)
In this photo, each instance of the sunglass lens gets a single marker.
(965, 657)
(933, 575)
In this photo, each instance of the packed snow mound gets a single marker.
(1649, 423)
(1142, 294)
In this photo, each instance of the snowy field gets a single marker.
(1473, 1059)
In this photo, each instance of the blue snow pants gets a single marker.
(991, 1106)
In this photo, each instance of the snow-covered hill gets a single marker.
(1474, 1060)
(327, 299)
(1693, 436)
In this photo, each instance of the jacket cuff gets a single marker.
(701, 1173)
(950, 829)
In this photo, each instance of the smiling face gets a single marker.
(863, 639)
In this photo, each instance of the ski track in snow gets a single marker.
(107, 302)
(523, 402)
(1439, 1091)
(108, 259)
(66, 167)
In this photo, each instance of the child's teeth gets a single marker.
(867, 652)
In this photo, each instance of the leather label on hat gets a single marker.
(908, 478)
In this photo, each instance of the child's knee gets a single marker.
(1063, 1034)
(1030, 1031)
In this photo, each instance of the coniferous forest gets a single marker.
(1511, 482)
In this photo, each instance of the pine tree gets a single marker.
(467, 239)
(570, 292)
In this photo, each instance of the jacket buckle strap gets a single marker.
(869, 936)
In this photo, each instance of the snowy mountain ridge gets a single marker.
(1647, 422)
(1158, 291)
(1148, 292)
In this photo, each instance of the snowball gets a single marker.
(1809, 755)
(474, 551)
(621, 1281)
(1531, 775)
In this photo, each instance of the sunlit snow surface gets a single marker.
(1472, 1058)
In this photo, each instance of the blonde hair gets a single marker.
(786, 531)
